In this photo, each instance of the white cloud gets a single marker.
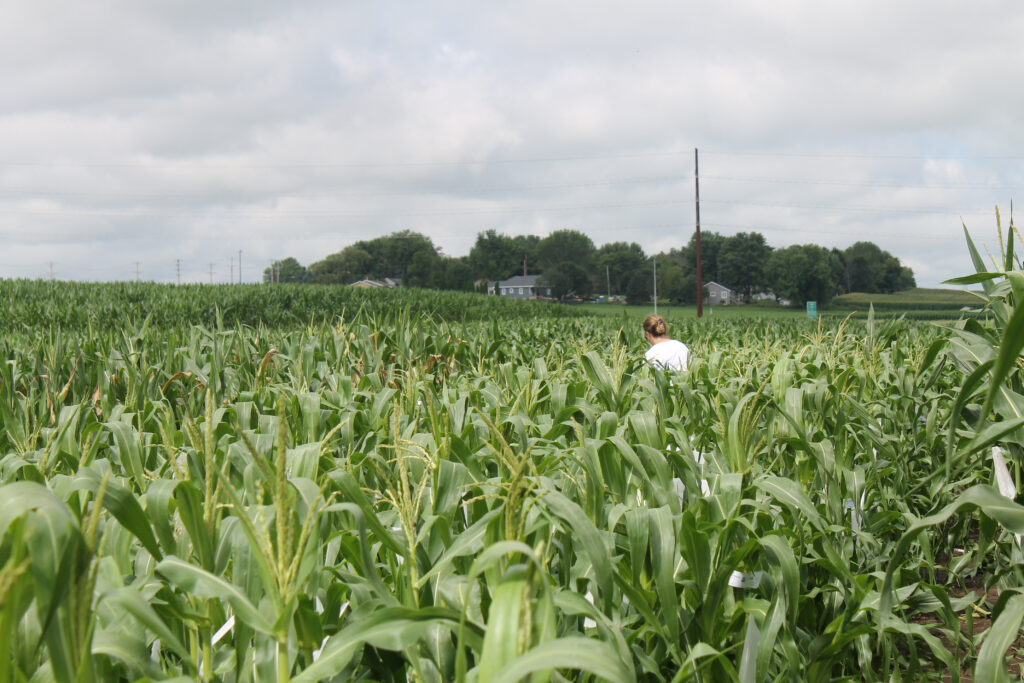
(153, 132)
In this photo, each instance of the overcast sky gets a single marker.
(144, 139)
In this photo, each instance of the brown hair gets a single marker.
(655, 326)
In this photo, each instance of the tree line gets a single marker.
(573, 266)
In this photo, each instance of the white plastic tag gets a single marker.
(741, 580)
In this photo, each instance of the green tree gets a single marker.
(566, 246)
(615, 264)
(495, 256)
(640, 288)
(869, 268)
(456, 274)
(802, 273)
(741, 260)
(407, 255)
(286, 270)
(566, 279)
(841, 274)
(674, 284)
(896, 277)
(711, 246)
(864, 267)
(342, 268)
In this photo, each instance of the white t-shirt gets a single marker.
(669, 355)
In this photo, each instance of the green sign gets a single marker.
(812, 309)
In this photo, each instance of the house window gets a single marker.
(520, 290)
(504, 291)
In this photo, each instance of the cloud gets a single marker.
(153, 133)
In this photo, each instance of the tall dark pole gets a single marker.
(700, 278)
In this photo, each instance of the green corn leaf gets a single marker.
(390, 628)
(125, 648)
(979, 263)
(1009, 353)
(190, 509)
(664, 552)
(203, 584)
(572, 652)
(502, 637)
(583, 530)
(985, 498)
(991, 664)
(130, 601)
(790, 494)
(125, 507)
(127, 450)
(468, 542)
(973, 279)
(781, 554)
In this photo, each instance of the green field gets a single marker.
(912, 299)
(918, 304)
(316, 484)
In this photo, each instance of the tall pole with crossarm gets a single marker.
(700, 282)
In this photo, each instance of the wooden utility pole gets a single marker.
(700, 279)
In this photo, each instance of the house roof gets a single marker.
(716, 284)
(386, 282)
(520, 281)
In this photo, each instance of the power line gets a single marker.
(824, 207)
(376, 164)
(290, 214)
(910, 157)
(819, 230)
(508, 160)
(896, 186)
(20, 193)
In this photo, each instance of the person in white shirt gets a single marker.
(665, 353)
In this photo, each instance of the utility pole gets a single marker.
(239, 266)
(177, 265)
(654, 260)
(51, 271)
(524, 265)
(700, 282)
(608, 278)
(137, 271)
(211, 272)
(232, 280)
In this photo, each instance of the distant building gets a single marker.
(520, 287)
(718, 295)
(387, 283)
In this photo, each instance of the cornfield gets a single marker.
(393, 493)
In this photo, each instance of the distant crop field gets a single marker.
(670, 311)
(911, 299)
